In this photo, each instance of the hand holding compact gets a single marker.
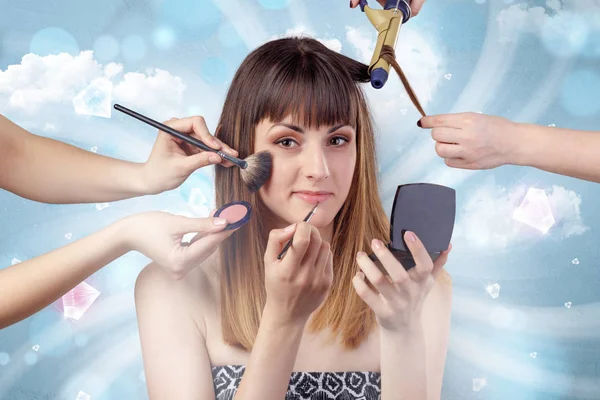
(472, 140)
(297, 284)
(399, 295)
(158, 235)
(172, 160)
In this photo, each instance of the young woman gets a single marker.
(323, 322)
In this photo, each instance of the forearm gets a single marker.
(403, 365)
(50, 171)
(568, 152)
(267, 375)
(28, 287)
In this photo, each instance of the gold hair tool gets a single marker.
(387, 22)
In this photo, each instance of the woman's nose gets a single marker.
(315, 164)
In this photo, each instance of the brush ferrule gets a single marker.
(240, 163)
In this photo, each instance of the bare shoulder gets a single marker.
(192, 294)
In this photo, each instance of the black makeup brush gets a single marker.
(255, 169)
(289, 243)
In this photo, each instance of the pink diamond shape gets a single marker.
(77, 301)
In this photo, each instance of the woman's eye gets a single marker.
(338, 140)
(286, 142)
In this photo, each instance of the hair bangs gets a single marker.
(309, 91)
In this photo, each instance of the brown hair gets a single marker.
(301, 78)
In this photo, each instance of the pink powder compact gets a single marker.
(236, 214)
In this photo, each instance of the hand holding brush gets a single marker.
(255, 169)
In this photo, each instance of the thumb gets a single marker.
(200, 160)
(277, 239)
(201, 225)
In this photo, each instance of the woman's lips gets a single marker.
(313, 198)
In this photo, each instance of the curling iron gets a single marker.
(387, 22)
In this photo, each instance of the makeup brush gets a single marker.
(289, 243)
(255, 169)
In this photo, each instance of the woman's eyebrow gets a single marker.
(300, 130)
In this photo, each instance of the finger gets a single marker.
(392, 266)
(460, 163)
(200, 160)
(374, 275)
(416, 6)
(447, 135)
(354, 3)
(314, 248)
(277, 239)
(195, 126)
(300, 244)
(446, 150)
(367, 294)
(423, 262)
(225, 148)
(201, 225)
(201, 249)
(445, 120)
(439, 263)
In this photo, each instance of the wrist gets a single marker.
(143, 182)
(124, 234)
(275, 320)
(522, 138)
(412, 328)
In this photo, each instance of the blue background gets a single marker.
(530, 61)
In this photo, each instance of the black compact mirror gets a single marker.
(428, 210)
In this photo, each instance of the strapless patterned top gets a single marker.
(306, 385)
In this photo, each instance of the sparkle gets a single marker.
(478, 384)
(535, 210)
(102, 206)
(494, 290)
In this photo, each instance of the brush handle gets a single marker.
(186, 138)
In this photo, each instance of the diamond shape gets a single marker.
(494, 290)
(77, 301)
(535, 210)
(95, 99)
(83, 396)
(478, 384)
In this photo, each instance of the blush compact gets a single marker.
(236, 213)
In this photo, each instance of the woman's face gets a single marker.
(309, 166)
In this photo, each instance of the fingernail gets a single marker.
(216, 144)
(214, 158)
(377, 244)
(219, 221)
(360, 254)
(410, 236)
(289, 228)
(419, 124)
(361, 275)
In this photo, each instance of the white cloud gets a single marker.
(562, 26)
(55, 80)
(301, 31)
(486, 220)
(156, 92)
